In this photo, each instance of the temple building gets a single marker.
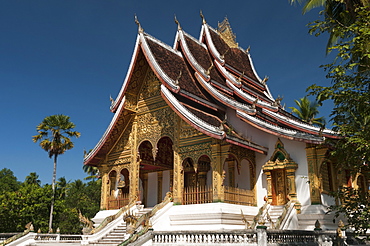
(196, 120)
(199, 152)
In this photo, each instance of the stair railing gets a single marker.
(144, 221)
(111, 218)
(260, 215)
(282, 218)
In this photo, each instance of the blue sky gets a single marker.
(68, 57)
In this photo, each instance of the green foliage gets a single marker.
(29, 202)
(8, 182)
(54, 134)
(356, 206)
(307, 111)
(350, 92)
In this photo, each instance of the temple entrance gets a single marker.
(156, 168)
(197, 183)
(279, 187)
(280, 176)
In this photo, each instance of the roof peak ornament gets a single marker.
(240, 77)
(178, 24)
(248, 49)
(209, 69)
(141, 30)
(178, 78)
(265, 79)
(203, 19)
(226, 33)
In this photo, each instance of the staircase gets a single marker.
(309, 216)
(118, 234)
(272, 216)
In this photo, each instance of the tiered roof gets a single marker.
(202, 78)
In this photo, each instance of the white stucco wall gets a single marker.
(152, 189)
(296, 149)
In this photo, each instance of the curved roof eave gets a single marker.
(223, 99)
(212, 47)
(279, 131)
(120, 96)
(167, 81)
(106, 134)
(190, 56)
(301, 125)
(190, 118)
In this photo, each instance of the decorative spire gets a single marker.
(178, 24)
(202, 16)
(226, 33)
(141, 30)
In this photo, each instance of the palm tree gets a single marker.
(54, 134)
(91, 171)
(307, 111)
(32, 179)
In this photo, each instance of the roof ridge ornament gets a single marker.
(240, 77)
(226, 33)
(223, 55)
(265, 79)
(178, 24)
(203, 19)
(178, 78)
(141, 30)
(209, 69)
(248, 49)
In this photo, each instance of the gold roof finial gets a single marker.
(202, 16)
(138, 24)
(178, 24)
(226, 33)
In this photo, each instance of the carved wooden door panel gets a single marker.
(279, 188)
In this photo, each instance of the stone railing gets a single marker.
(300, 237)
(260, 237)
(15, 237)
(205, 238)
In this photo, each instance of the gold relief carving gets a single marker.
(196, 151)
(130, 101)
(141, 66)
(153, 125)
(188, 131)
(242, 153)
(151, 86)
(119, 161)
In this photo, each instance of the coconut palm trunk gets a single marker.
(53, 196)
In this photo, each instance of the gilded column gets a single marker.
(135, 165)
(218, 174)
(178, 176)
(104, 188)
(269, 185)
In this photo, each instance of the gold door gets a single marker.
(279, 188)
